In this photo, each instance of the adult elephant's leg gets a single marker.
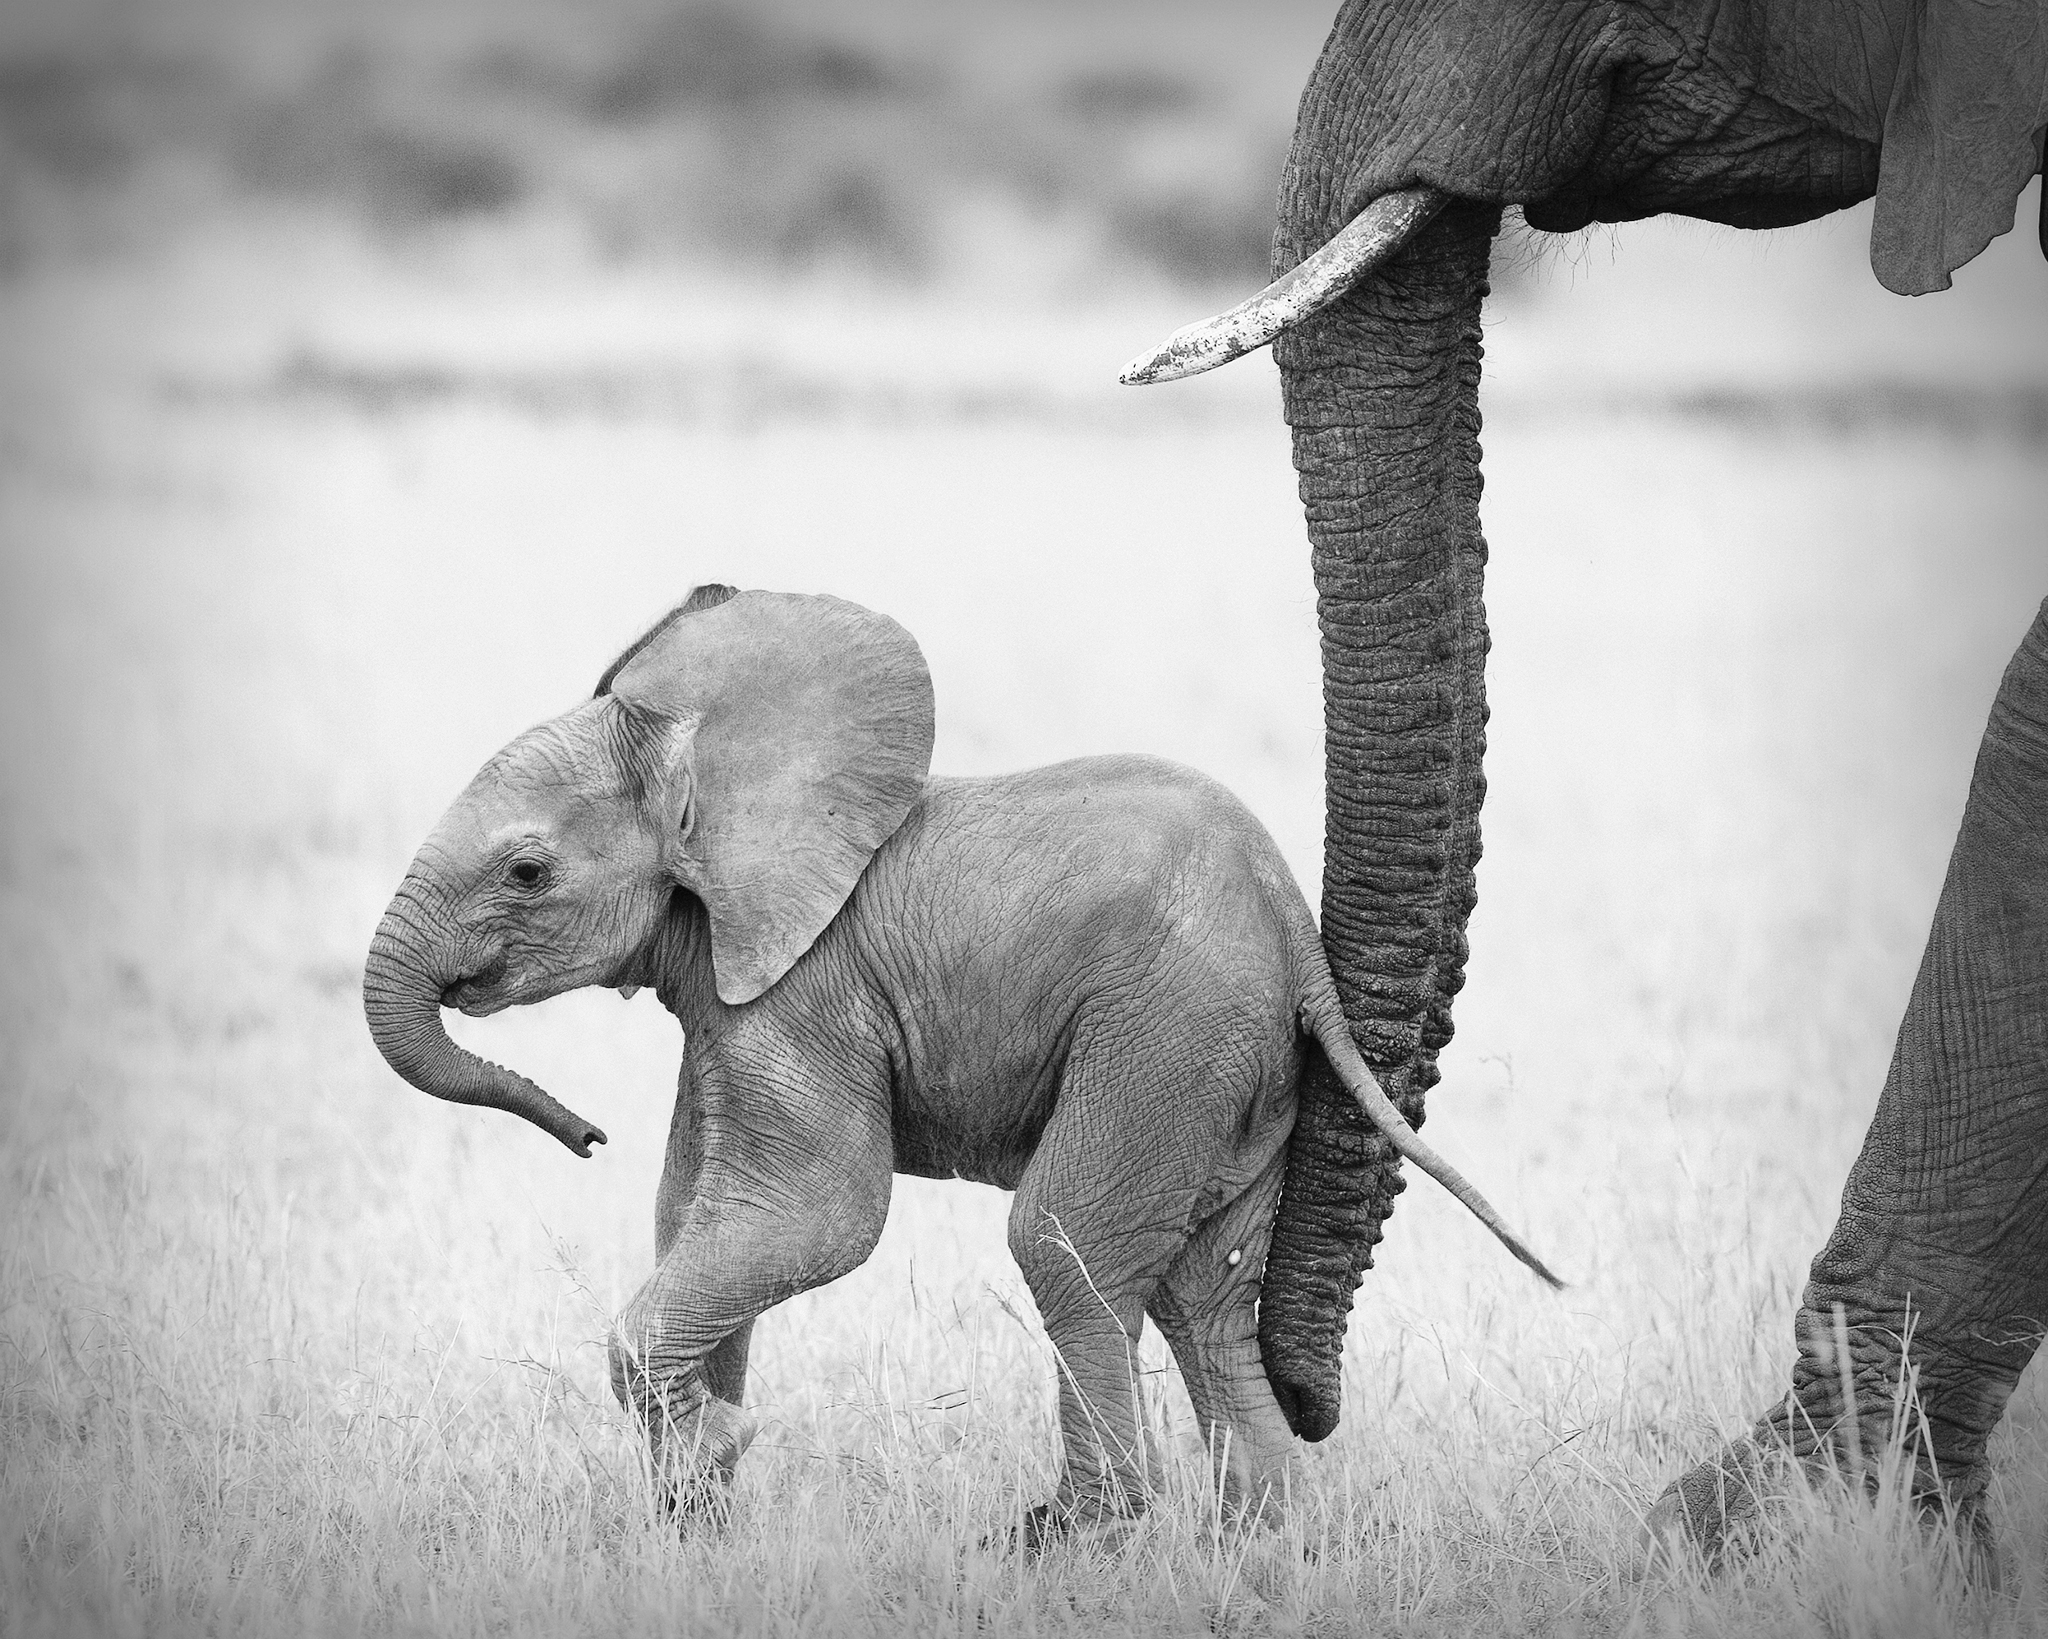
(792, 1193)
(1943, 1235)
(1207, 1310)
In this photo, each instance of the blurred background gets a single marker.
(372, 373)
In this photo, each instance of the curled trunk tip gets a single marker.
(402, 1002)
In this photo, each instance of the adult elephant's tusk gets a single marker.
(1366, 241)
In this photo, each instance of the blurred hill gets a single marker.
(862, 211)
(896, 139)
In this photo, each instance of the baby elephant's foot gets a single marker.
(694, 1439)
(694, 1458)
(1091, 1526)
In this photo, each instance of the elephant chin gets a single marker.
(403, 992)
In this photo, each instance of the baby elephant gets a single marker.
(1094, 984)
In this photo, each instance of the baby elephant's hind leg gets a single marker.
(1150, 1146)
(1207, 1310)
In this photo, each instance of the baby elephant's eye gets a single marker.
(527, 874)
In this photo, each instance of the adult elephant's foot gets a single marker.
(1717, 1508)
(1711, 1508)
(1887, 1399)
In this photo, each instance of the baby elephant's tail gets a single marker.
(1326, 1023)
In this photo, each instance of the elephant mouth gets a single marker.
(473, 996)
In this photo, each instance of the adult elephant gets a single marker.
(1423, 119)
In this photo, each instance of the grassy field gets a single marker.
(303, 514)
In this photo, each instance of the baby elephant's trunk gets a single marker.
(409, 966)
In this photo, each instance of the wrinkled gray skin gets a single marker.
(1085, 984)
(1757, 114)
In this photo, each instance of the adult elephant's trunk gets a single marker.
(1381, 390)
(416, 956)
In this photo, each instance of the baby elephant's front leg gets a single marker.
(782, 1204)
(695, 1437)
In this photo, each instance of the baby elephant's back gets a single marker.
(1117, 873)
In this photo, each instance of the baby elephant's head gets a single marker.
(753, 748)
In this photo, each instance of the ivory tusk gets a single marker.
(1366, 241)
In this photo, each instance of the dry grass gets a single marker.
(297, 525)
(287, 1347)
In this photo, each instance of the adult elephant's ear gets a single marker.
(793, 735)
(1961, 136)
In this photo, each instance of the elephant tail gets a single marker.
(1324, 1020)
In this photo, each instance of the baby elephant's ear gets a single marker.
(802, 731)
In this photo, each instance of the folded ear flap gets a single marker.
(1961, 136)
(800, 731)
(708, 596)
